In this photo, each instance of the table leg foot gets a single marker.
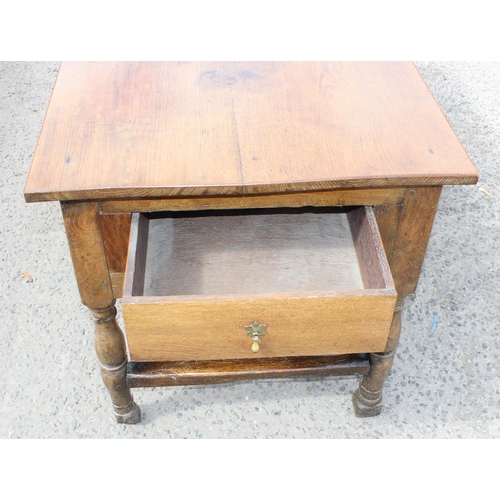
(131, 414)
(367, 400)
(363, 408)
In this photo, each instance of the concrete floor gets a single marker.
(444, 384)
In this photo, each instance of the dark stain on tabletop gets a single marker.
(219, 77)
(226, 78)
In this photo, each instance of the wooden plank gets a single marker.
(115, 234)
(137, 259)
(328, 125)
(255, 252)
(339, 197)
(83, 230)
(387, 217)
(413, 232)
(137, 129)
(308, 324)
(372, 260)
(128, 130)
(218, 372)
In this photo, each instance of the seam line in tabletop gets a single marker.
(238, 146)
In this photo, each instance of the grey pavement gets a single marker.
(444, 383)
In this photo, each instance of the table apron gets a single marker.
(335, 198)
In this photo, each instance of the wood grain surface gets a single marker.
(300, 324)
(84, 233)
(129, 129)
(115, 235)
(337, 197)
(413, 232)
(340, 197)
(257, 253)
(367, 241)
(203, 279)
(217, 372)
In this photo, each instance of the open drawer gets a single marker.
(196, 282)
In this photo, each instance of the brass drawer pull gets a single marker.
(256, 330)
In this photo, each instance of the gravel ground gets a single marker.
(444, 383)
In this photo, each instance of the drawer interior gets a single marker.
(196, 282)
(255, 252)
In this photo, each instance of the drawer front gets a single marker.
(298, 325)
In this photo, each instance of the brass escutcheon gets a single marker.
(256, 330)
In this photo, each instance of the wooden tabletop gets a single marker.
(128, 130)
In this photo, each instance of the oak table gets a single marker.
(257, 219)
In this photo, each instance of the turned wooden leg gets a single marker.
(405, 230)
(367, 399)
(110, 348)
(83, 230)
